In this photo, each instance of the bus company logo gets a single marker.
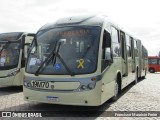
(58, 66)
(6, 114)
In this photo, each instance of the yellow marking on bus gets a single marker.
(81, 63)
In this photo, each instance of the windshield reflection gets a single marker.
(9, 50)
(78, 50)
(9, 56)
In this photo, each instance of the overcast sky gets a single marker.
(139, 17)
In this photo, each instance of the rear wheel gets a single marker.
(116, 91)
(136, 78)
(151, 70)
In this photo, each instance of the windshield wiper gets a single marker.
(56, 54)
(47, 59)
(52, 56)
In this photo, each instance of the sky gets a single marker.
(140, 17)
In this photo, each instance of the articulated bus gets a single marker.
(153, 64)
(12, 57)
(82, 60)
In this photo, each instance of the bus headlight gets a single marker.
(83, 87)
(14, 72)
(25, 83)
(91, 85)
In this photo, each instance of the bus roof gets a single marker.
(90, 20)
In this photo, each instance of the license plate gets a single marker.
(42, 84)
(52, 99)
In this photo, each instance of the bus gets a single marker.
(12, 57)
(82, 60)
(153, 64)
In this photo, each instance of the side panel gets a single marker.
(4, 81)
(144, 61)
(18, 79)
(145, 54)
(108, 80)
(110, 73)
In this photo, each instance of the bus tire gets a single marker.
(115, 97)
(117, 88)
(151, 70)
(136, 78)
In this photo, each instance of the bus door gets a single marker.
(124, 58)
(133, 56)
(129, 59)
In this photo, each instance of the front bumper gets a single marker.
(84, 98)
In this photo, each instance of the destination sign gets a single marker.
(80, 32)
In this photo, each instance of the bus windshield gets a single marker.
(9, 50)
(77, 46)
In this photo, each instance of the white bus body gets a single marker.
(82, 60)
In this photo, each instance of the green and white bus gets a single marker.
(12, 57)
(82, 60)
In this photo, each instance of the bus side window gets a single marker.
(106, 50)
